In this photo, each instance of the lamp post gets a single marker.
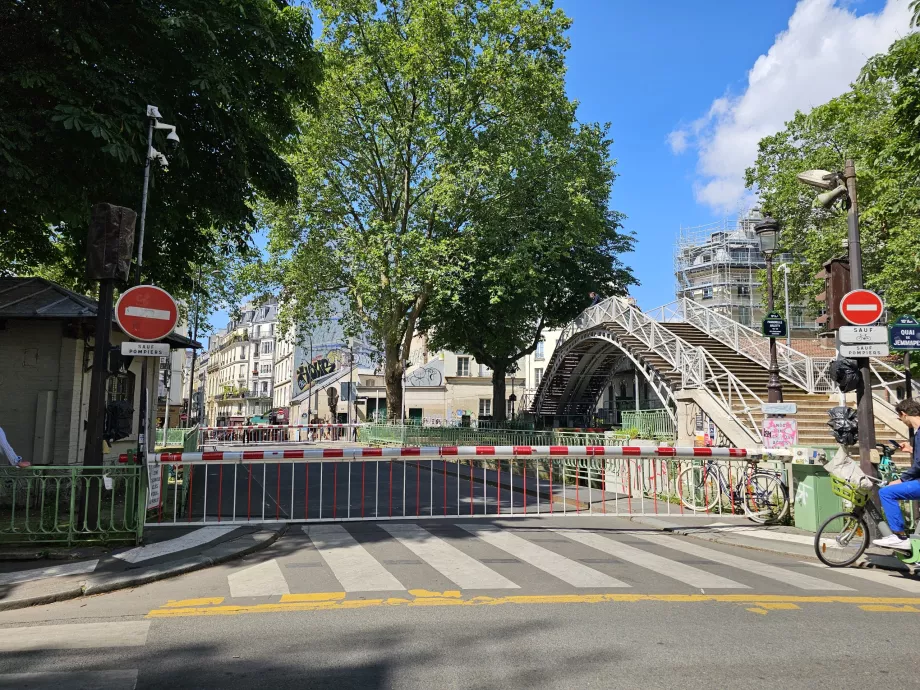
(785, 269)
(151, 154)
(768, 235)
(842, 187)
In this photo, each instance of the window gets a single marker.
(267, 347)
(707, 293)
(265, 388)
(255, 350)
(265, 368)
(463, 366)
(483, 370)
(257, 334)
(485, 407)
(744, 316)
(538, 375)
(744, 290)
(243, 353)
(539, 354)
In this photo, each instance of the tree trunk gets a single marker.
(499, 404)
(393, 375)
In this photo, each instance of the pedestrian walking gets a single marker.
(595, 298)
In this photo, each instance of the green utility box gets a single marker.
(814, 500)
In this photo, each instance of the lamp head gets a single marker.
(768, 235)
(822, 179)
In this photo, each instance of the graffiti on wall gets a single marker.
(322, 366)
(426, 376)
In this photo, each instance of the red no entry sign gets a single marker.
(861, 307)
(146, 313)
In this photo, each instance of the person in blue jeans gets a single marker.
(907, 488)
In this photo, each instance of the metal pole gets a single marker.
(167, 383)
(351, 378)
(865, 411)
(786, 296)
(95, 426)
(636, 387)
(191, 382)
(402, 411)
(909, 393)
(774, 387)
(143, 443)
(310, 391)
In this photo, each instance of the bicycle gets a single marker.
(760, 494)
(844, 536)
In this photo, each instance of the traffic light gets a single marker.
(836, 277)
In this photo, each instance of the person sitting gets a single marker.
(7, 450)
(907, 488)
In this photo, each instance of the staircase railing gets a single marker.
(697, 367)
(811, 374)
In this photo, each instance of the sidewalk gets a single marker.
(782, 539)
(30, 576)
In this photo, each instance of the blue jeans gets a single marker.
(890, 495)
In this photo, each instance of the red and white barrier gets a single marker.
(454, 452)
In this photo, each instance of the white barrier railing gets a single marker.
(322, 484)
(268, 434)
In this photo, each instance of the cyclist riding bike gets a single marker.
(907, 488)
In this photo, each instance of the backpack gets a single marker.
(119, 420)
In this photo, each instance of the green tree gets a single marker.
(423, 101)
(876, 124)
(544, 239)
(75, 83)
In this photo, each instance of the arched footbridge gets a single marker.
(697, 360)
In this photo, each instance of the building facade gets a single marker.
(240, 368)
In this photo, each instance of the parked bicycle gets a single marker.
(759, 493)
(844, 537)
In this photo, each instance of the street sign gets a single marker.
(154, 482)
(774, 326)
(860, 335)
(779, 408)
(130, 349)
(147, 313)
(867, 350)
(904, 334)
(861, 307)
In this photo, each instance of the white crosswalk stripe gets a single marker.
(74, 636)
(463, 570)
(645, 559)
(755, 567)
(120, 679)
(567, 570)
(263, 580)
(350, 562)
(882, 577)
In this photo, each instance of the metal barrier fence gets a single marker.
(273, 434)
(651, 424)
(310, 485)
(70, 504)
(173, 437)
(408, 435)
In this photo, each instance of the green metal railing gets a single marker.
(174, 437)
(71, 504)
(410, 435)
(651, 424)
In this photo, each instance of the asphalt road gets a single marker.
(530, 603)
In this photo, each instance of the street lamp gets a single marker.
(768, 235)
(842, 186)
(172, 139)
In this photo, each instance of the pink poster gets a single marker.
(780, 432)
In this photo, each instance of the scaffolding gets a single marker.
(718, 265)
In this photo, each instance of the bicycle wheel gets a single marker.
(841, 539)
(699, 488)
(766, 500)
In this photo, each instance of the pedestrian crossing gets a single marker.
(396, 557)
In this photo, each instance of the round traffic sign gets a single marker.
(861, 307)
(147, 313)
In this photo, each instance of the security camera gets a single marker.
(158, 157)
(172, 140)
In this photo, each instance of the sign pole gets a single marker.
(864, 404)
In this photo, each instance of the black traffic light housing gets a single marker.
(836, 277)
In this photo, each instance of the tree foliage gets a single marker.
(877, 123)
(544, 238)
(75, 83)
(423, 104)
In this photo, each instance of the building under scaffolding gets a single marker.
(719, 265)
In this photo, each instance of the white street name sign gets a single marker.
(868, 350)
(131, 349)
(778, 408)
(860, 335)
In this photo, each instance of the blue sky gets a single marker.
(689, 87)
(651, 68)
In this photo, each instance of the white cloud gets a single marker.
(813, 60)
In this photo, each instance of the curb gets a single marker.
(871, 561)
(215, 555)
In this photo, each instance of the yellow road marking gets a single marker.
(204, 601)
(336, 601)
(762, 612)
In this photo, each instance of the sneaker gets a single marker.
(893, 541)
